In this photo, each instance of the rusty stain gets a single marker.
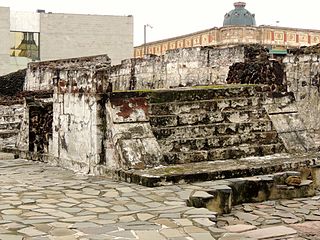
(62, 83)
(128, 106)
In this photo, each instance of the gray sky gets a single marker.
(171, 18)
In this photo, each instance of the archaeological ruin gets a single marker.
(193, 114)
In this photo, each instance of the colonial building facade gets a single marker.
(238, 28)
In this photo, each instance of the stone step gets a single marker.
(220, 141)
(205, 117)
(220, 196)
(209, 130)
(10, 125)
(220, 169)
(204, 105)
(196, 94)
(10, 118)
(235, 152)
(8, 133)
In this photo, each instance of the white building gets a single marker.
(27, 36)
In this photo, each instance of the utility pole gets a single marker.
(145, 38)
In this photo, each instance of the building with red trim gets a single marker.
(238, 28)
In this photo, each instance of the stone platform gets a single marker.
(215, 170)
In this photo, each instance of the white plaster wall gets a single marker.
(5, 40)
(24, 21)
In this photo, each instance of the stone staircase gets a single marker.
(10, 121)
(212, 133)
(212, 124)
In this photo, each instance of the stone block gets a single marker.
(270, 232)
(217, 199)
(164, 121)
(185, 157)
(308, 228)
(222, 199)
(315, 171)
(199, 199)
(239, 228)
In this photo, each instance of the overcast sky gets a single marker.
(170, 18)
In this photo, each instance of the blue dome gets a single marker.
(239, 16)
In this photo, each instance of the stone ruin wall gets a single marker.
(199, 66)
(177, 68)
(86, 124)
(11, 108)
(303, 79)
(67, 91)
(74, 87)
(11, 116)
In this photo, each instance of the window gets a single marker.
(25, 44)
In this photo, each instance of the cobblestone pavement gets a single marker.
(38, 201)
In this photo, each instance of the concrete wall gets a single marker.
(5, 39)
(24, 21)
(75, 35)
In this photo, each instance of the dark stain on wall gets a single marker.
(40, 127)
(127, 106)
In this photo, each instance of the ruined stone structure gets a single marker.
(239, 28)
(178, 117)
(11, 108)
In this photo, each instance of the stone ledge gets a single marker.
(215, 170)
(221, 197)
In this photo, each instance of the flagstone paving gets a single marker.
(39, 201)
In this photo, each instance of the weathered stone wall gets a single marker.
(98, 125)
(11, 114)
(303, 79)
(130, 143)
(288, 122)
(199, 66)
(76, 133)
(73, 74)
(210, 124)
(74, 87)
(177, 68)
(11, 108)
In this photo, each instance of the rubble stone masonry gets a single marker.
(165, 110)
(303, 79)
